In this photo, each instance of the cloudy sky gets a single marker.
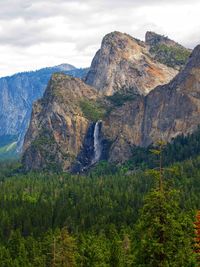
(39, 33)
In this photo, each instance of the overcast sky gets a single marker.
(39, 33)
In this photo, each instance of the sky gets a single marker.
(41, 33)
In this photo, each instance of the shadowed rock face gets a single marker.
(166, 112)
(124, 62)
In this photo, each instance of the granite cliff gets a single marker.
(124, 62)
(58, 126)
(166, 112)
(75, 125)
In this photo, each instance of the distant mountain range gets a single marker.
(17, 94)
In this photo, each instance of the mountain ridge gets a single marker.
(129, 118)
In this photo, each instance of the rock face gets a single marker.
(166, 50)
(166, 112)
(58, 126)
(17, 93)
(67, 135)
(124, 62)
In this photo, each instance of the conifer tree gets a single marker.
(63, 250)
(163, 232)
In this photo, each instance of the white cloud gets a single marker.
(39, 33)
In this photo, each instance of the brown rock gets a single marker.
(166, 112)
(58, 126)
(124, 62)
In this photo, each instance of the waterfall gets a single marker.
(97, 142)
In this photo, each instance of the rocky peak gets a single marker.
(152, 39)
(58, 126)
(117, 41)
(167, 51)
(17, 94)
(69, 88)
(124, 62)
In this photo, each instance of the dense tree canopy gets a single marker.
(108, 217)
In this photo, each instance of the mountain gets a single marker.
(58, 126)
(166, 50)
(166, 112)
(124, 62)
(17, 94)
(75, 125)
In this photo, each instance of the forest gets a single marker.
(130, 215)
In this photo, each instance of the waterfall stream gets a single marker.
(97, 142)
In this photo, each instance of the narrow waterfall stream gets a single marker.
(97, 142)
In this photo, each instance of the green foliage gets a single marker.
(119, 98)
(63, 249)
(180, 149)
(161, 233)
(92, 110)
(172, 56)
(102, 214)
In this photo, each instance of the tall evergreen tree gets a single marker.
(164, 234)
(63, 250)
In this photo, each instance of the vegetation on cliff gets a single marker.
(92, 110)
(175, 57)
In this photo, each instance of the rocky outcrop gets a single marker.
(166, 50)
(124, 62)
(58, 126)
(17, 94)
(166, 112)
(69, 121)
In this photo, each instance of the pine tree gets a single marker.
(63, 250)
(163, 232)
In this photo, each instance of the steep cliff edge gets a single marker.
(58, 126)
(124, 62)
(166, 112)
